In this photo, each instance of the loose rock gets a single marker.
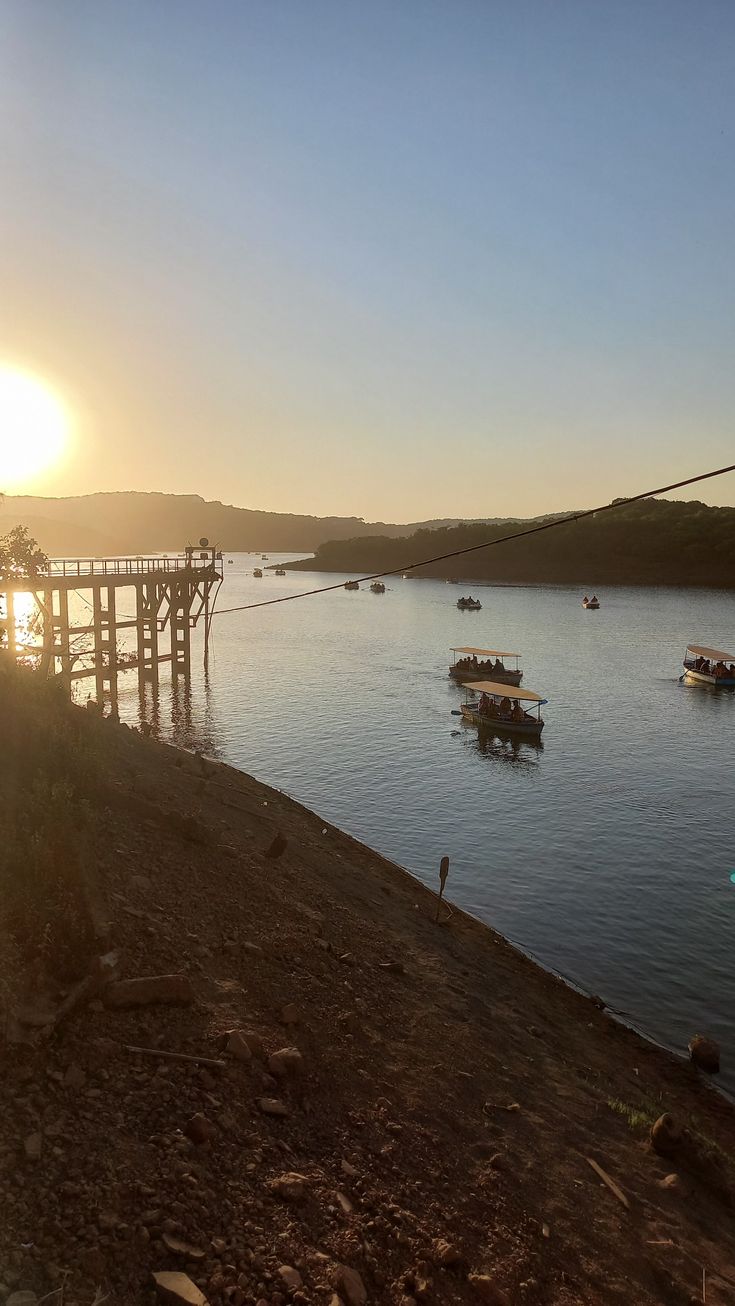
(349, 1283)
(178, 1289)
(238, 1046)
(290, 1276)
(705, 1053)
(288, 1063)
(488, 1290)
(148, 990)
(666, 1135)
(292, 1187)
(290, 1014)
(272, 1106)
(33, 1145)
(199, 1129)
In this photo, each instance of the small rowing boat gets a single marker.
(377, 587)
(592, 603)
(258, 573)
(501, 708)
(280, 571)
(469, 604)
(709, 666)
(477, 664)
(352, 585)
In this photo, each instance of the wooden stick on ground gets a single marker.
(606, 1179)
(175, 1056)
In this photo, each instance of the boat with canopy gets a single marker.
(485, 664)
(709, 666)
(503, 708)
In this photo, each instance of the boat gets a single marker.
(500, 708)
(378, 587)
(453, 581)
(258, 573)
(709, 666)
(230, 562)
(280, 571)
(594, 602)
(470, 665)
(264, 557)
(469, 604)
(352, 585)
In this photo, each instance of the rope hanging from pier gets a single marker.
(488, 544)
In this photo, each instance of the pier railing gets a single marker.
(128, 566)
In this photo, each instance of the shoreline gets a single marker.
(446, 1101)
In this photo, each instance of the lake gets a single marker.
(606, 853)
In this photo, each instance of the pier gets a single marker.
(170, 594)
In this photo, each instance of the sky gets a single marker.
(400, 259)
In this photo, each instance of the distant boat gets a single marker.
(229, 562)
(709, 666)
(352, 585)
(258, 573)
(469, 604)
(264, 557)
(594, 602)
(280, 571)
(378, 587)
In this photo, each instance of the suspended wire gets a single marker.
(487, 544)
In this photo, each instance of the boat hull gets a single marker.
(704, 678)
(590, 607)
(497, 725)
(469, 607)
(500, 677)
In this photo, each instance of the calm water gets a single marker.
(606, 853)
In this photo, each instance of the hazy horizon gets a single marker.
(401, 263)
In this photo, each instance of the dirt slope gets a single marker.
(438, 1122)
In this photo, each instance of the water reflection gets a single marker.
(510, 749)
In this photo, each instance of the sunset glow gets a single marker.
(34, 428)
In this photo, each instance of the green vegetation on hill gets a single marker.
(654, 542)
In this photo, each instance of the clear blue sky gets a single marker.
(394, 259)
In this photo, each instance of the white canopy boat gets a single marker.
(709, 666)
(500, 708)
(470, 664)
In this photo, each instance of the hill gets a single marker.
(654, 542)
(408, 1112)
(135, 522)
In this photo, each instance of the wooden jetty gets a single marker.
(171, 593)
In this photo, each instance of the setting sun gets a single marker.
(34, 427)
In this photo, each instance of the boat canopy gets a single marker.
(504, 691)
(714, 654)
(485, 652)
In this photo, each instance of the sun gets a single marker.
(34, 427)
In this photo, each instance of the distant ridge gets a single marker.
(132, 521)
(652, 542)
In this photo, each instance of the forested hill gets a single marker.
(655, 542)
(136, 522)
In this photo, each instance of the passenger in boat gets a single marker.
(594, 599)
(585, 599)
(492, 709)
(484, 704)
(498, 665)
(505, 707)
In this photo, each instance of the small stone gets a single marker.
(290, 1276)
(149, 990)
(178, 1247)
(488, 1290)
(344, 1202)
(292, 1187)
(705, 1053)
(666, 1135)
(178, 1289)
(290, 1014)
(672, 1183)
(272, 1106)
(75, 1077)
(446, 1253)
(141, 882)
(392, 967)
(238, 1047)
(199, 1129)
(348, 1169)
(277, 848)
(33, 1146)
(349, 1283)
(286, 1064)
(346, 959)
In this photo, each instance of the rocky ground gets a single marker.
(370, 1107)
